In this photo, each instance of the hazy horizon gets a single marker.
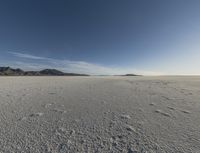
(102, 37)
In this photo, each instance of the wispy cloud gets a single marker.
(38, 62)
(21, 55)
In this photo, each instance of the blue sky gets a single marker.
(101, 37)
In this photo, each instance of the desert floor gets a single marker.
(100, 114)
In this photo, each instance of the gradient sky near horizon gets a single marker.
(148, 37)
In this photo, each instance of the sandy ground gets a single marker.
(100, 114)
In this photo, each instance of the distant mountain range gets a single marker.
(129, 75)
(8, 71)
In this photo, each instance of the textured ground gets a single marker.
(100, 114)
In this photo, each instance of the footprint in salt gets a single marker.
(104, 102)
(124, 116)
(47, 105)
(61, 131)
(162, 113)
(52, 93)
(130, 128)
(59, 111)
(36, 114)
(172, 108)
(185, 111)
(22, 119)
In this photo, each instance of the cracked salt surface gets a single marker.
(100, 114)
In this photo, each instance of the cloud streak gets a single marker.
(38, 63)
(27, 56)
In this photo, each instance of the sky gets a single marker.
(148, 37)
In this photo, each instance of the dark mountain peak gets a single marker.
(10, 71)
(4, 68)
(51, 72)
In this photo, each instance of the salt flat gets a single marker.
(100, 114)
